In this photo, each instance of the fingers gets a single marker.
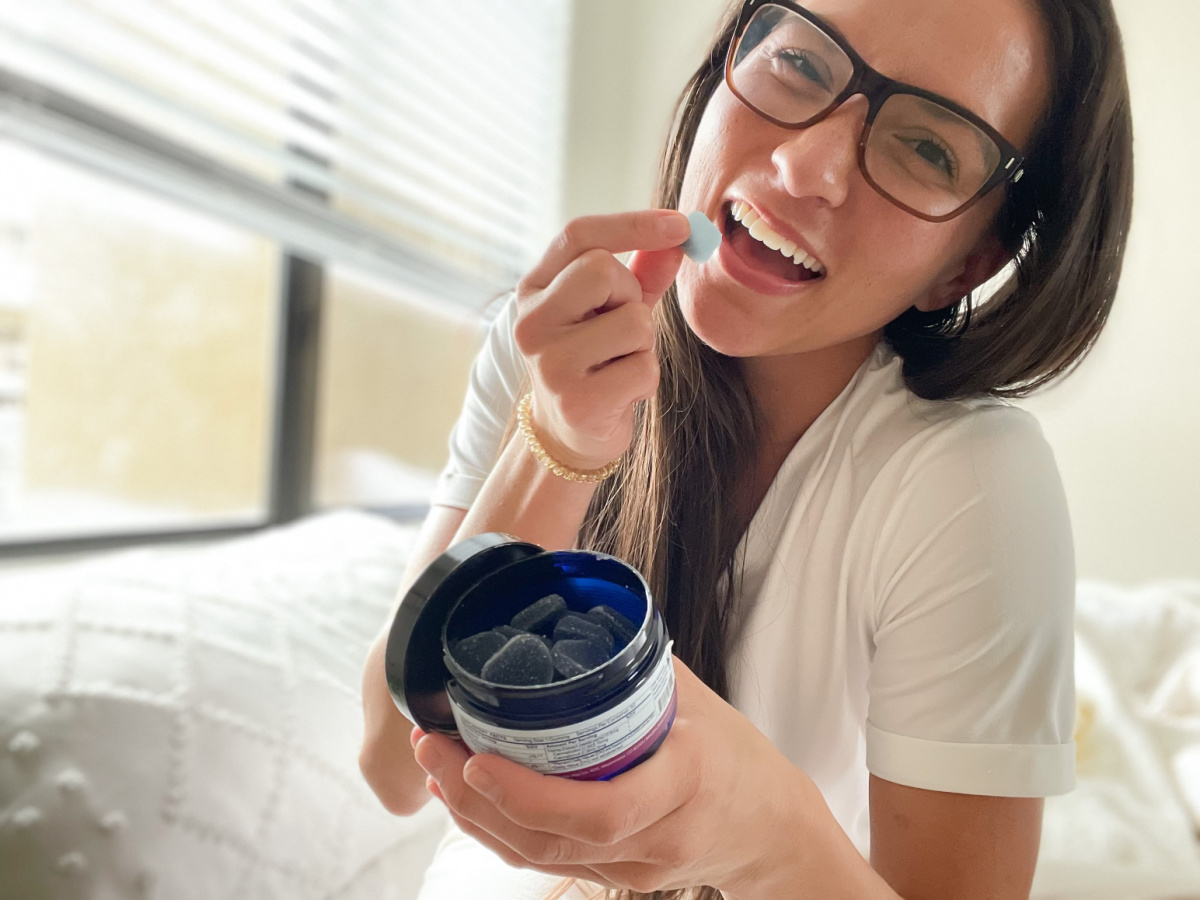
(617, 333)
(655, 270)
(591, 284)
(601, 813)
(651, 229)
(478, 817)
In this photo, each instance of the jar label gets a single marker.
(589, 750)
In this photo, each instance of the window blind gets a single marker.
(419, 140)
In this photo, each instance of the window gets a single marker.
(137, 358)
(223, 208)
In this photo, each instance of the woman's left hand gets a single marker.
(716, 805)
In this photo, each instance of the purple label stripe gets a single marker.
(626, 759)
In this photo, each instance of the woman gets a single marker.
(854, 540)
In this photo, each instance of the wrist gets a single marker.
(806, 853)
(553, 456)
(775, 870)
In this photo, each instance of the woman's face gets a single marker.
(878, 260)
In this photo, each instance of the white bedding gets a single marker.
(1129, 828)
(219, 795)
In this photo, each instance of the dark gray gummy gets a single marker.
(508, 631)
(573, 658)
(472, 652)
(622, 629)
(573, 626)
(524, 660)
(539, 614)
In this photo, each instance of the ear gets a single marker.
(988, 258)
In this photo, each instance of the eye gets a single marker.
(808, 65)
(935, 153)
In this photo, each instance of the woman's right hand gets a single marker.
(585, 328)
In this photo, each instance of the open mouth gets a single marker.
(759, 246)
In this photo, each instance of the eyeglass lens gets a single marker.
(918, 152)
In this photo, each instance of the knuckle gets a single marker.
(525, 288)
(649, 369)
(613, 827)
(644, 881)
(573, 237)
(678, 856)
(596, 264)
(547, 851)
(643, 320)
(526, 335)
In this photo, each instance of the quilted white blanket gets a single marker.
(184, 723)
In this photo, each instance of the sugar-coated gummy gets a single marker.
(472, 652)
(573, 657)
(622, 629)
(523, 661)
(539, 614)
(573, 626)
(508, 631)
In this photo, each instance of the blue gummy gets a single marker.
(473, 652)
(704, 239)
(574, 657)
(522, 662)
(573, 626)
(622, 629)
(541, 614)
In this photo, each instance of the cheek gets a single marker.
(898, 259)
(715, 150)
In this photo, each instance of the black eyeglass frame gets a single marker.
(877, 88)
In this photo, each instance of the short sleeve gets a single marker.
(971, 684)
(495, 380)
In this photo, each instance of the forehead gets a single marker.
(988, 55)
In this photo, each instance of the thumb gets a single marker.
(655, 270)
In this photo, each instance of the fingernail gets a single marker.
(482, 782)
(416, 736)
(674, 226)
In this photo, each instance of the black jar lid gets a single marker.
(413, 662)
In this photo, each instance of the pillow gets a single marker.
(185, 723)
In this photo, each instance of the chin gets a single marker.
(719, 324)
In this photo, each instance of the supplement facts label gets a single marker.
(631, 725)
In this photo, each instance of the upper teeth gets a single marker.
(760, 232)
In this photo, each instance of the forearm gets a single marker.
(523, 498)
(813, 858)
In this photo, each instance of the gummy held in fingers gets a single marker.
(704, 239)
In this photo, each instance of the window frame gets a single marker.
(52, 123)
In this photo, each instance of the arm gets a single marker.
(385, 758)
(925, 845)
(587, 370)
(520, 497)
(929, 845)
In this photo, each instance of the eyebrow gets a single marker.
(830, 27)
(942, 112)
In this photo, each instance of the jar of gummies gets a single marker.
(557, 660)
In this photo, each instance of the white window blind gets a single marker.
(422, 140)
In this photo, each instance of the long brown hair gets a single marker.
(668, 510)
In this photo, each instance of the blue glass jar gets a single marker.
(592, 726)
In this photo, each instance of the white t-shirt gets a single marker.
(908, 593)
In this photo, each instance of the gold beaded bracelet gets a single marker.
(525, 424)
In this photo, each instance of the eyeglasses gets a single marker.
(924, 153)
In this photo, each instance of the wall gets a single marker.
(1126, 426)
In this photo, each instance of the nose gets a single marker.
(820, 161)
